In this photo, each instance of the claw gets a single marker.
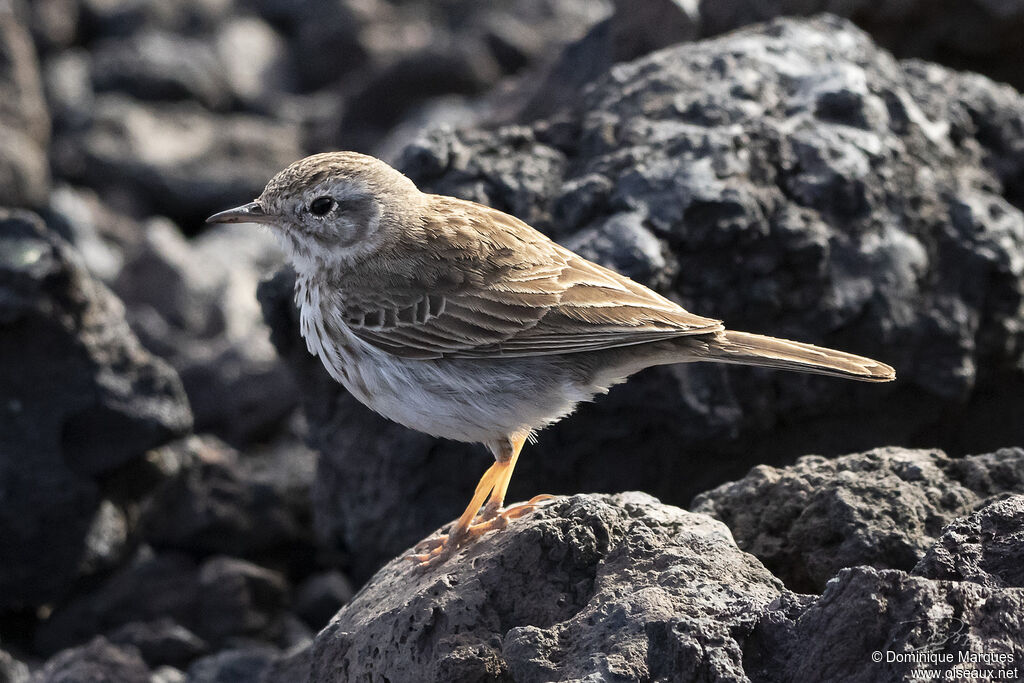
(520, 509)
(435, 550)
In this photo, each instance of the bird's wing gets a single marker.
(508, 291)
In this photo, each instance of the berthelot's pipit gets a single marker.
(463, 322)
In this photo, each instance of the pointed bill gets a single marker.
(247, 213)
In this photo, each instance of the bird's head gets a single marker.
(332, 210)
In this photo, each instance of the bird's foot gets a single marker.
(435, 550)
(491, 511)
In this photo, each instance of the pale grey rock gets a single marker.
(884, 508)
(587, 588)
(984, 547)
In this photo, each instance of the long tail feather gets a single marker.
(756, 349)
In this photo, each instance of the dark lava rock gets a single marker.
(216, 506)
(977, 36)
(97, 233)
(320, 596)
(589, 587)
(451, 49)
(67, 81)
(622, 588)
(83, 401)
(324, 37)
(173, 158)
(160, 642)
(635, 28)
(888, 623)
(985, 547)
(290, 667)
(333, 40)
(109, 19)
(244, 665)
(54, 23)
(24, 121)
(156, 65)
(219, 600)
(883, 508)
(380, 104)
(97, 662)
(192, 303)
(791, 179)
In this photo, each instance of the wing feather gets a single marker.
(516, 293)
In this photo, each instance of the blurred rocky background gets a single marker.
(186, 496)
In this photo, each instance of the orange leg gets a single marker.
(493, 483)
(497, 498)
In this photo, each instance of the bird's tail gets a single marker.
(755, 349)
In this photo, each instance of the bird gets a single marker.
(461, 321)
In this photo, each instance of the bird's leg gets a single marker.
(440, 548)
(509, 454)
(492, 487)
(492, 516)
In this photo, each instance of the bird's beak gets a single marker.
(247, 213)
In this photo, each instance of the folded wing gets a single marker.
(524, 295)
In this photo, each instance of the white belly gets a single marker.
(462, 399)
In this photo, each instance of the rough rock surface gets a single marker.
(791, 179)
(623, 588)
(984, 548)
(634, 29)
(882, 508)
(81, 377)
(978, 35)
(608, 587)
(869, 611)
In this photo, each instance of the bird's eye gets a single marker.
(321, 206)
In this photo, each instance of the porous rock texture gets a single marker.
(82, 401)
(883, 508)
(607, 587)
(622, 588)
(864, 611)
(978, 35)
(984, 547)
(791, 179)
